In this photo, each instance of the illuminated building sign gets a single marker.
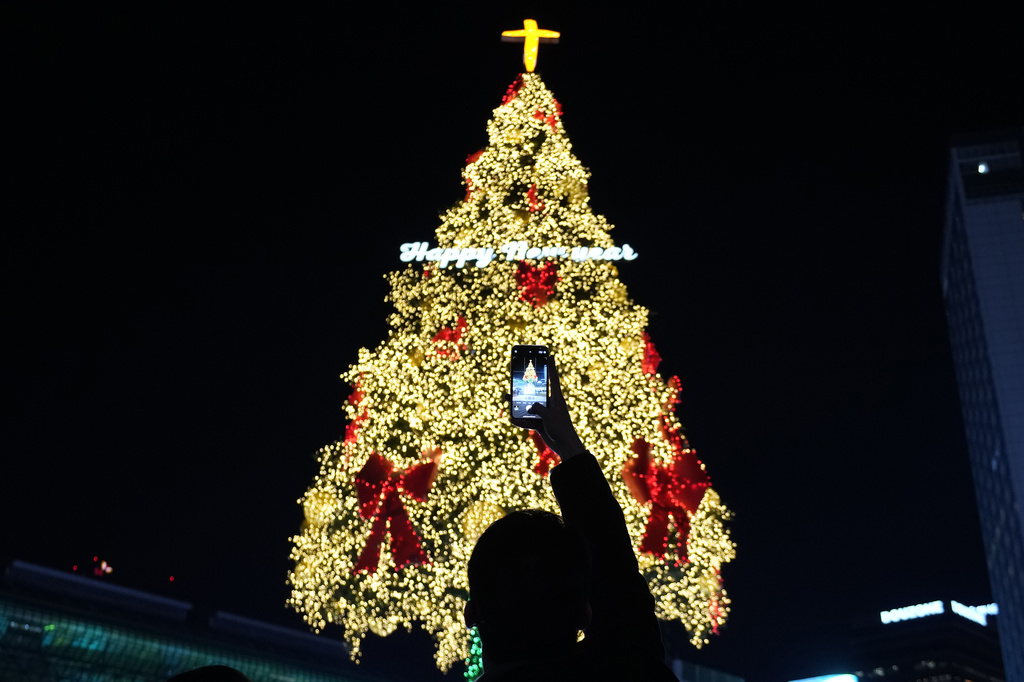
(978, 614)
(932, 608)
(520, 250)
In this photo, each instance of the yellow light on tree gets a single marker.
(429, 458)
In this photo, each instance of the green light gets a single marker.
(475, 662)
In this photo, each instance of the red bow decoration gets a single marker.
(673, 489)
(449, 340)
(546, 457)
(377, 486)
(536, 283)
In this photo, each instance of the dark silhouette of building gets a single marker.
(940, 641)
(983, 287)
(948, 642)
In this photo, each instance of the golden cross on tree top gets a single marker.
(531, 37)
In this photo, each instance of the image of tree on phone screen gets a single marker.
(529, 386)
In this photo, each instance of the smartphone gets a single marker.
(529, 383)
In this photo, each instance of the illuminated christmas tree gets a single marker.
(429, 458)
(530, 375)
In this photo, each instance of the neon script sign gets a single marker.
(520, 250)
(978, 614)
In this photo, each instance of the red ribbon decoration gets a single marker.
(513, 90)
(536, 283)
(550, 119)
(673, 489)
(651, 357)
(535, 203)
(546, 457)
(352, 429)
(377, 486)
(356, 397)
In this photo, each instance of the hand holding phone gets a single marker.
(529, 383)
(548, 416)
(556, 427)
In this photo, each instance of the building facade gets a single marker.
(983, 288)
(60, 627)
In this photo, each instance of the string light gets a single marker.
(427, 402)
(475, 662)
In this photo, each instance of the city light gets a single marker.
(978, 614)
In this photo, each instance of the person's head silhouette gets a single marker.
(529, 584)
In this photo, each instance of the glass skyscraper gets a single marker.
(983, 288)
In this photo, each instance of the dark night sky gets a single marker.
(200, 208)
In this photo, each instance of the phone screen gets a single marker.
(529, 379)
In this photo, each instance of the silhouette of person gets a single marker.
(536, 580)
